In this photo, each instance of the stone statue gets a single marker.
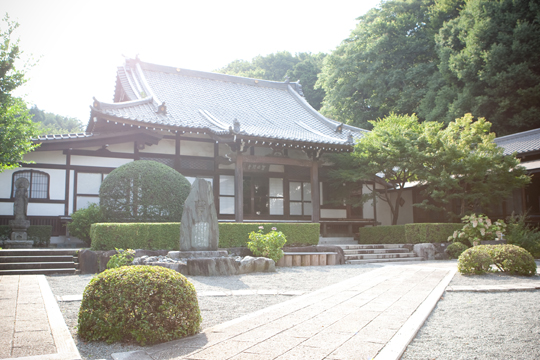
(19, 237)
(199, 229)
(20, 205)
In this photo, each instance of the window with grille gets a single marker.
(39, 183)
(300, 198)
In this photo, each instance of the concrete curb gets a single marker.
(493, 288)
(399, 342)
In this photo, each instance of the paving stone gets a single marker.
(222, 350)
(355, 350)
(28, 343)
(304, 352)
(276, 346)
(38, 324)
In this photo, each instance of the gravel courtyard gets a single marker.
(464, 325)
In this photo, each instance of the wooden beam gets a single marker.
(276, 160)
(239, 188)
(315, 193)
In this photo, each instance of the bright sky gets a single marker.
(80, 43)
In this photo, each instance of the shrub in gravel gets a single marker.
(507, 258)
(144, 304)
(454, 250)
(512, 259)
(475, 260)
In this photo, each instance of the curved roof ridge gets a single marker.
(146, 86)
(209, 75)
(119, 105)
(308, 128)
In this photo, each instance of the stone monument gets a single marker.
(199, 229)
(19, 226)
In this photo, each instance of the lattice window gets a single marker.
(39, 183)
(167, 161)
(196, 164)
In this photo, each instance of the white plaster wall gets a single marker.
(84, 201)
(46, 157)
(5, 183)
(57, 183)
(42, 209)
(196, 148)
(121, 148)
(98, 161)
(368, 209)
(276, 168)
(405, 212)
(334, 213)
(165, 146)
(262, 151)
(6, 208)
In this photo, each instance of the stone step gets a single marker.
(44, 258)
(38, 252)
(66, 271)
(379, 256)
(375, 251)
(337, 241)
(372, 246)
(370, 261)
(37, 265)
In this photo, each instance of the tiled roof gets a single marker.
(521, 143)
(62, 136)
(213, 102)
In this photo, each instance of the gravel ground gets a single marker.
(464, 325)
(214, 310)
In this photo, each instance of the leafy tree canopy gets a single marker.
(464, 165)
(489, 66)
(394, 150)
(302, 66)
(50, 123)
(16, 127)
(385, 63)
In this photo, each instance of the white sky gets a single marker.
(80, 43)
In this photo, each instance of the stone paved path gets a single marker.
(30, 322)
(374, 314)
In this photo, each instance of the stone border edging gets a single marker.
(493, 288)
(399, 342)
(65, 346)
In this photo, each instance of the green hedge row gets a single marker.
(41, 234)
(166, 236)
(407, 234)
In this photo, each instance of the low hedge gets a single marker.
(41, 234)
(297, 234)
(166, 236)
(407, 234)
(510, 259)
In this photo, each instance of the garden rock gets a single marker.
(426, 251)
(219, 266)
(251, 264)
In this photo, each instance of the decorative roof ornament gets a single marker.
(287, 79)
(299, 88)
(96, 104)
(339, 128)
(350, 139)
(162, 109)
(236, 126)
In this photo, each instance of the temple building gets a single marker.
(259, 143)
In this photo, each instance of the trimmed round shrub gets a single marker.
(475, 260)
(144, 304)
(507, 258)
(454, 250)
(143, 191)
(512, 259)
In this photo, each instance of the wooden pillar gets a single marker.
(315, 193)
(68, 175)
(239, 188)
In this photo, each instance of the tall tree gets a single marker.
(302, 66)
(464, 165)
(385, 63)
(50, 123)
(489, 66)
(16, 127)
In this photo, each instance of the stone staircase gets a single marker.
(377, 253)
(337, 241)
(38, 261)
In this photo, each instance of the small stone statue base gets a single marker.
(18, 244)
